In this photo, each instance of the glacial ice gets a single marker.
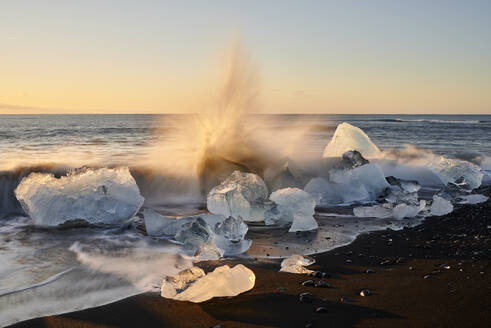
(440, 206)
(349, 137)
(363, 183)
(296, 264)
(451, 170)
(104, 195)
(403, 210)
(241, 194)
(388, 210)
(199, 237)
(233, 229)
(473, 199)
(381, 211)
(158, 225)
(193, 286)
(296, 206)
(409, 186)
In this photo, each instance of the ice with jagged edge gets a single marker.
(451, 170)
(296, 264)
(440, 206)
(292, 205)
(103, 195)
(362, 183)
(349, 137)
(193, 285)
(198, 237)
(241, 194)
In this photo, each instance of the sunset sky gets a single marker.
(312, 56)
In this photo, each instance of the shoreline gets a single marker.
(451, 251)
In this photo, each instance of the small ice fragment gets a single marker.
(409, 186)
(408, 211)
(241, 194)
(233, 229)
(440, 206)
(104, 195)
(199, 237)
(159, 225)
(196, 287)
(296, 206)
(473, 199)
(400, 196)
(376, 211)
(349, 137)
(296, 264)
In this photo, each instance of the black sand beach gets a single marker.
(432, 275)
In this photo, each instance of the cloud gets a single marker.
(21, 108)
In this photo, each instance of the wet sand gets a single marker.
(436, 274)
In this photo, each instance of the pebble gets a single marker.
(322, 284)
(427, 276)
(369, 271)
(411, 268)
(309, 325)
(345, 299)
(321, 309)
(365, 293)
(305, 298)
(308, 283)
(348, 261)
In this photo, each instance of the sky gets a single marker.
(311, 56)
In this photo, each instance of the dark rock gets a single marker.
(369, 271)
(345, 299)
(321, 309)
(365, 293)
(322, 284)
(308, 283)
(305, 298)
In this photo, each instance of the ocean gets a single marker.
(49, 270)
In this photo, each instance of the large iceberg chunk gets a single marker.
(440, 206)
(193, 286)
(403, 210)
(296, 206)
(103, 195)
(296, 264)
(241, 194)
(363, 183)
(451, 170)
(349, 137)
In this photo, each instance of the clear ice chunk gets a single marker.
(381, 211)
(158, 225)
(196, 287)
(409, 186)
(241, 194)
(296, 264)
(451, 170)
(352, 159)
(233, 229)
(104, 195)
(198, 237)
(363, 183)
(296, 206)
(473, 199)
(440, 206)
(348, 137)
(403, 210)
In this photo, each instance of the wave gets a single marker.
(398, 120)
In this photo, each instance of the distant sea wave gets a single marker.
(432, 121)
